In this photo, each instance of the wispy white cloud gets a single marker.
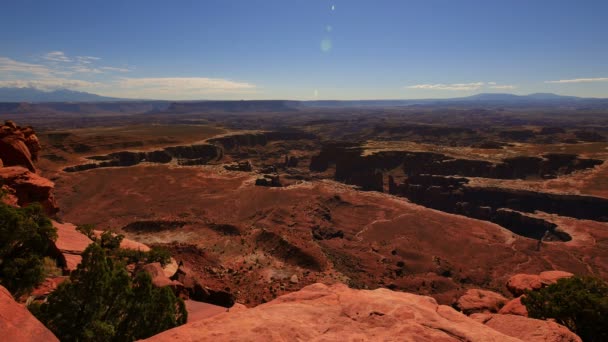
(503, 87)
(59, 70)
(462, 86)
(453, 86)
(83, 69)
(179, 88)
(581, 80)
(49, 83)
(56, 56)
(87, 59)
(12, 66)
(107, 68)
(185, 83)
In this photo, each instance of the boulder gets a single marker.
(476, 300)
(514, 307)
(29, 187)
(519, 283)
(527, 329)
(337, 313)
(18, 324)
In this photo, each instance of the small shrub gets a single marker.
(579, 303)
(101, 302)
(26, 235)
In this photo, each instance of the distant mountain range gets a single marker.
(484, 99)
(62, 96)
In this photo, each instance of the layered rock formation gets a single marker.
(329, 313)
(351, 164)
(437, 181)
(18, 146)
(21, 185)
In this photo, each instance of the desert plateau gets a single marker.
(303, 171)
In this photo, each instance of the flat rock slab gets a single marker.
(69, 240)
(337, 313)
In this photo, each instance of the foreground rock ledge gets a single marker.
(18, 324)
(337, 313)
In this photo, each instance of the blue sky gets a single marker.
(306, 49)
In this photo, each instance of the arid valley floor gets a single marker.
(261, 199)
(432, 201)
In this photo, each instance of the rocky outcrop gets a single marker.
(352, 165)
(476, 300)
(19, 146)
(18, 324)
(329, 313)
(520, 283)
(527, 329)
(20, 184)
(26, 187)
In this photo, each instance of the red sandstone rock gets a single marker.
(551, 277)
(69, 240)
(28, 188)
(476, 300)
(18, 146)
(18, 324)
(519, 283)
(199, 310)
(70, 243)
(331, 313)
(514, 307)
(527, 329)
